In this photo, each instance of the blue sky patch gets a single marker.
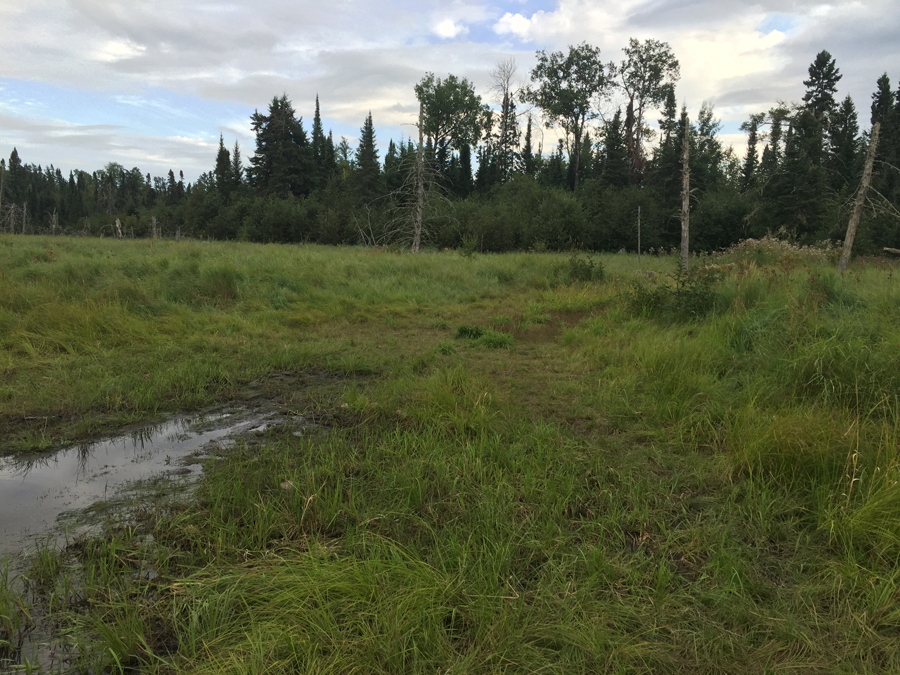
(779, 22)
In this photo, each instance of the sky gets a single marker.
(154, 84)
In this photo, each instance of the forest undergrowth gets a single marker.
(543, 463)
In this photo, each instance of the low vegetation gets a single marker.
(536, 462)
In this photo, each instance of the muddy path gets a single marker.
(50, 497)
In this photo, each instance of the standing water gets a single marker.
(35, 491)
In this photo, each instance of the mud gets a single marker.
(46, 496)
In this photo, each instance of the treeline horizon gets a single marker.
(480, 182)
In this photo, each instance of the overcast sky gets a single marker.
(153, 84)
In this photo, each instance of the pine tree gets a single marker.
(319, 150)
(796, 192)
(615, 160)
(882, 101)
(464, 181)
(507, 139)
(751, 161)
(237, 167)
(224, 177)
(586, 166)
(821, 85)
(368, 170)
(886, 110)
(282, 164)
(844, 155)
(393, 176)
(528, 163)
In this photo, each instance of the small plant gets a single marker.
(469, 332)
(468, 246)
(493, 339)
(446, 348)
(685, 296)
(580, 268)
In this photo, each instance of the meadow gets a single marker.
(535, 462)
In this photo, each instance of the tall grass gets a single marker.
(691, 475)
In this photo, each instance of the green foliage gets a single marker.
(682, 296)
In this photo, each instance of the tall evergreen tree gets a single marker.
(821, 85)
(615, 154)
(751, 161)
(282, 164)
(319, 151)
(843, 144)
(237, 167)
(393, 172)
(796, 192)
(368, 170)
(224, 177)
(528, 164)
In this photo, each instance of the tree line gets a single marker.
(482, 180)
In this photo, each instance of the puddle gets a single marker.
(38, 492)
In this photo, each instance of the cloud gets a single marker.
(449, 29)
(190, 70)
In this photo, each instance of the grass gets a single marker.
(688, 474)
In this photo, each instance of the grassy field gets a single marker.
(538, 463)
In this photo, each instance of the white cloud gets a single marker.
(117, 50)
(449, 29)
(360, 56)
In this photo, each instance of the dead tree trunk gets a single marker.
(639, 236)
(154, 234)
(24, 216)
(686, 195)
(860, 200)
(2, 181)
(420, 184)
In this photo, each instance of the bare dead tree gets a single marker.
(860, 200)
(686, 196)
(420, 183)
(54, 221)
(2, 187)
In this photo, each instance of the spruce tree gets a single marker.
(751, 161)
(368, 170)
(844, 155)
(224, 177)
(615, 160)
(796, 192)
(282, 164)
(319, 150)
(528, 163)
(393, 176)
(821, 85)
(237, 167)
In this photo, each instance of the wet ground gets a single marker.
(42, 496)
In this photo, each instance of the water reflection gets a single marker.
(36, 490)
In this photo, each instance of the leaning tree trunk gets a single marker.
(420, 184)
(860, 200)
(686, 196)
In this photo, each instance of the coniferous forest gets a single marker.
(492, 186)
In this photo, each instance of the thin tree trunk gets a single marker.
(420, 184)
(686, 195)
(24, 216)
(639, 236)
(860, 200)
